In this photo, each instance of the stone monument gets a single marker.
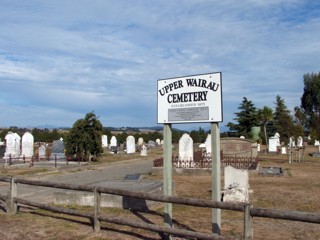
(236, 185)
(27, 145)
(58, 150)
(130, 144)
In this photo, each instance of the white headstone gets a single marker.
(143, 150)
(236, 185)
(300, 142)
(242, 137)
(140, 141)
(27, 145)
(42, 151)
(10, 145)
(104, 140)
(113, 141)
(186, 148)
(317, 143)
(258, 147)
(277, 137)
(131, 144)
(283, 150)
(208, 144)
(161, 142)
(158, 141)
(273, 143)
(18, 144)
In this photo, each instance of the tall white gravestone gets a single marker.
(18, 144)
(131, 145)
(27, 145)
(208, 144)
(113, 141)
(10, 145)
(104, 140)
(186, 150)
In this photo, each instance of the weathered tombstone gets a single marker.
(158, 141)
(300, 142)
(186, 151)
(27, 145)
(208, 144)
(236, 185)
(283, 150)
(140, 141)
(18, 144)
(113, 142)
(273, 143)
(104, 140)
(58, 150)
(277, 136)
(42, 151)
(258, 147)
(161, 142)
(11, 142)
(131, 145)
(151, 144)
(292, 142)
(143, 150)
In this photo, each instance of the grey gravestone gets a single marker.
(42, 151)
(271, 171)
(151, 144)
(133, 177)
(57, 150)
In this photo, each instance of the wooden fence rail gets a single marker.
(96, 217)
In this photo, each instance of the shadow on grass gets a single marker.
(89, 224)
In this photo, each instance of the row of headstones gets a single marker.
(17, 147)
(274, 143)
(130, 144)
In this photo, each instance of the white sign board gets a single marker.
(190, 99)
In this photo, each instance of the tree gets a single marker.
(283, 122)
(84, 137)
(310, 102)
(246, 118)
(265, 115)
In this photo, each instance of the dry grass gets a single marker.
(297, 190)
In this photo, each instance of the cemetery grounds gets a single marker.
(297, 190)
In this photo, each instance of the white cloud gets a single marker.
(79, 56)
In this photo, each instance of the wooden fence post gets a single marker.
(11, 204)
(248, 222)
(97, 200)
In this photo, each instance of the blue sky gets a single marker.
(62, 59)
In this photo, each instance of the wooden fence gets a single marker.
(12, 202)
